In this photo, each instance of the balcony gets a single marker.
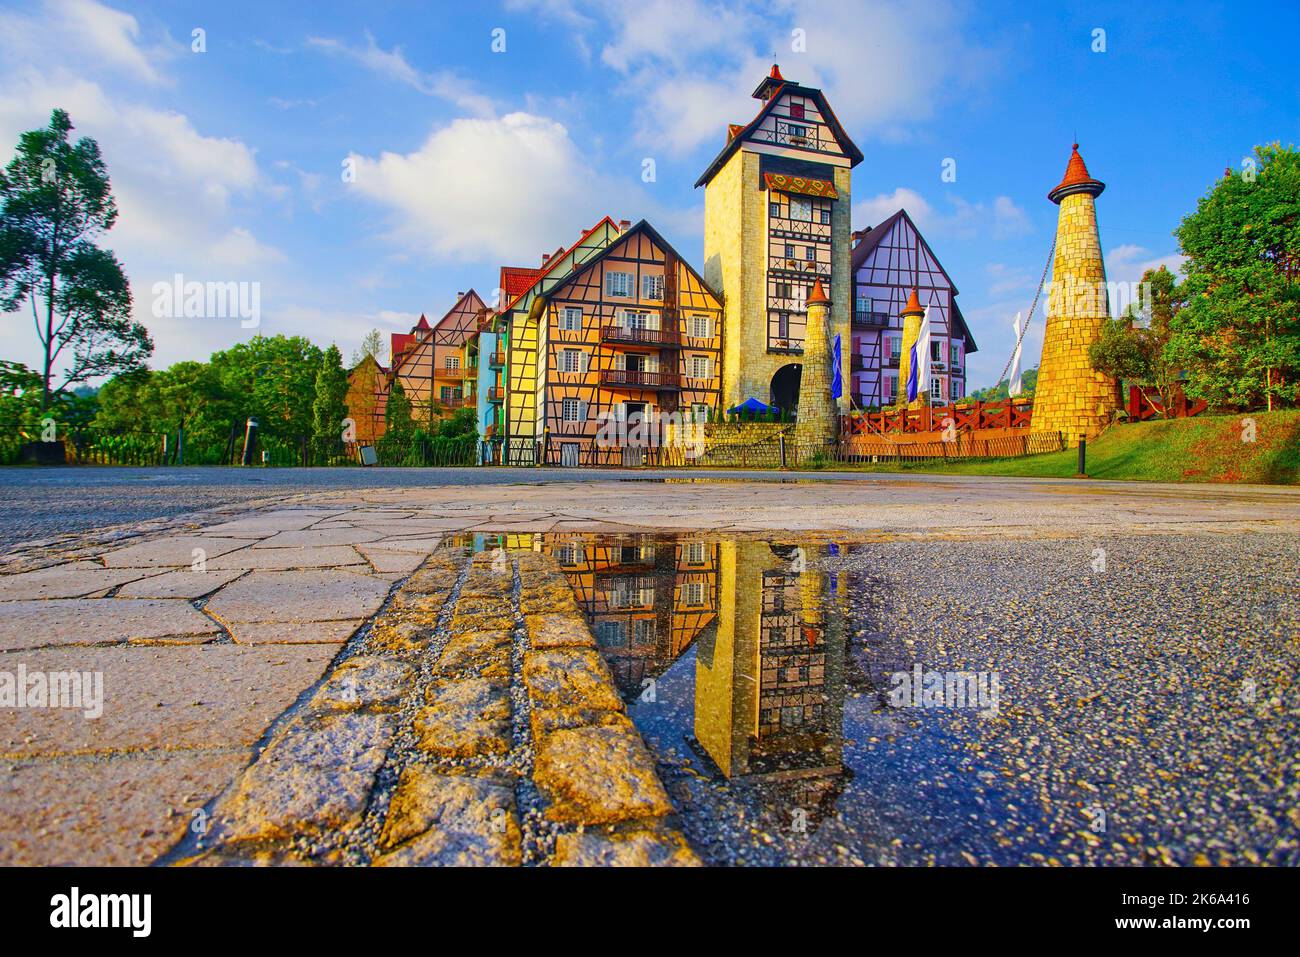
(636, 336)
(496, 394)
(870, 320)
(497, 360)
(858, 363)
(638, 379)
(792, 347)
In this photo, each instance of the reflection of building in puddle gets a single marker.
(769, 682)
(770, 636)
(646, 600)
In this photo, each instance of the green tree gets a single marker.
(274, 379)
(1237, 337)
(330, 407)
(397, 414)
(55, 202)
(1132, 347)
(373, 346)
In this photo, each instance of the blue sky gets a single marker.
(229, 164)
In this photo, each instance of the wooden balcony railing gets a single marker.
(497, 360)
(496, 394)
(656, 338)
(637, 379)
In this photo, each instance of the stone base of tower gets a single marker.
(1075, 401)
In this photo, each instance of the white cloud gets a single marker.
(98, 33)
(999, 219)
(885, 66)
(484, 188)
(394, 65)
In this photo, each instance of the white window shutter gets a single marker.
(582, 410)
(583, 362)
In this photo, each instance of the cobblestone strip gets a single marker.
(595, 776)
(475, 723)
(304, 798)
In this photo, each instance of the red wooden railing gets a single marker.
(966, 417)
(1145, 402)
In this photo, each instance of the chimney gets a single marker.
(546, 257)
(459, 294)
(624, 225)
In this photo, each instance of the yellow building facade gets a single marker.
(776, 219)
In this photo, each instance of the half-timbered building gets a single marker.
(890, 261)
(524, 334)
(776, 218)
(629, 336)
(430, 361)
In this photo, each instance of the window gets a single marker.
(695, 553)
(862, 305)
(453, 362)
(957, 389)
(446, 394)
(610, 633)
(895, 348)
(783, 325)
(936, 389)
(619, 284)
(824, 215)
(936, 350)
(652, 287)
(955, 353)
(774, 209)
(571, 319)
(891, 388)
(796, 109)
(570, 554)
(573, 360)
(789, 250)
(634, 319)
(699, 412)
(809, 253)
(801, 208)
(699, 367)
(783, 290)
(701, 327)
(798, 133)
(573, 410)
(693, 593)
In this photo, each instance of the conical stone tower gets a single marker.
(814, 429)
(911, 315)
(1071, 397)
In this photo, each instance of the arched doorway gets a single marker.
(785, 387)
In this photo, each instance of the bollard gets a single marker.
(1083, 457)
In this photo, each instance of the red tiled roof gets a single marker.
(1076, 179)
(517, 279)
(554, 261)
(401, 342)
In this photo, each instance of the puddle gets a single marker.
(762, 688)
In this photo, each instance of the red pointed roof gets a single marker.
(913, 307)
(776, 73)
(818, 294)
(423, 323)
(1077, 179)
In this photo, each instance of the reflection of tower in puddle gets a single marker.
(646, 600)
(769, 687)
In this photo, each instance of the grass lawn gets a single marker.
(1201, 449)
